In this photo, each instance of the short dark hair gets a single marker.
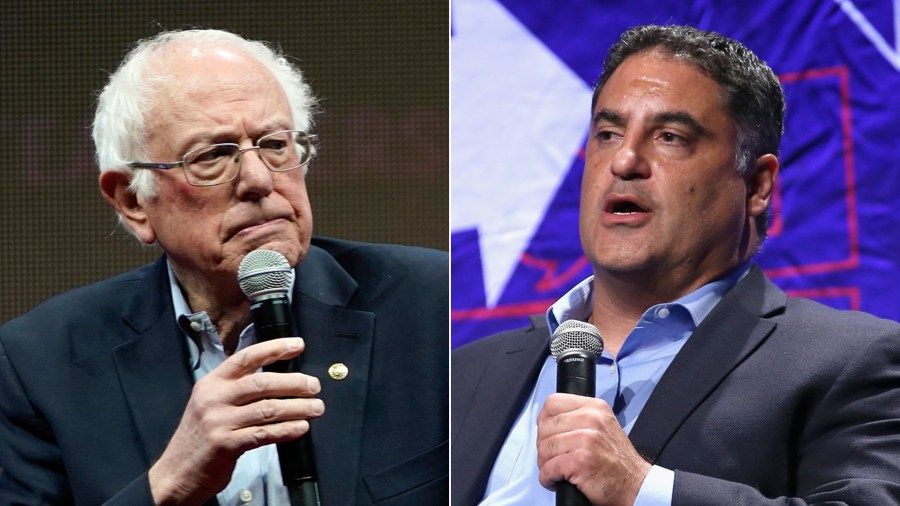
(751, 90)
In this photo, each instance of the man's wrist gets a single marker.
(656, 490)
(165, 491)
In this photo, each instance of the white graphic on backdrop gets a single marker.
(891, 54)
(510, 92)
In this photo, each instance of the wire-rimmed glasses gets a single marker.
(220, 163)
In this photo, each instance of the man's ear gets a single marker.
(761, 184)
(114, 187)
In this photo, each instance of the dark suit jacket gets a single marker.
(94, 381)
(770, 397)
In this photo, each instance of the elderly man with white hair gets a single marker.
(148, 388)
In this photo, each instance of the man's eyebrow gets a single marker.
(215, 137)
(682, 118)
(608, 116)
(275, 126)
(198, 139)
(678, 117)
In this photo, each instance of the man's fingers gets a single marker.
(565, 412)
(274, 411)
(580, 441)
(562, 403)
(259, 355)
(256, 436)
(566, 442)
(559, 468)
(262, 385)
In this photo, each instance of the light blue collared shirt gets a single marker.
(257, 475)
(625, 382)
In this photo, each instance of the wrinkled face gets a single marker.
(661, 190)
(219, 95)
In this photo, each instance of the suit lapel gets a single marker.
(334, 334)
(731, 332)
(153, 363)
(506, 380)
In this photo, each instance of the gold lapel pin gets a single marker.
(338, 371)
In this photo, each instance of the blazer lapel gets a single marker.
(334, 334)
(505, 382)
(153, 362)
(731, 332)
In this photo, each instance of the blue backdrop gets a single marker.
(521, 80)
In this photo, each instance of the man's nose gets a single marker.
(255, 178)
(629, 161)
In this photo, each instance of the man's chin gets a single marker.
(293, 251)
(624, 261)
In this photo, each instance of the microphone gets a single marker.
(575, 345)
(265, 277)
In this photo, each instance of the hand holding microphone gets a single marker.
(233, 409)
(583, 453)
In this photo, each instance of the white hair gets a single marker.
(120, 132)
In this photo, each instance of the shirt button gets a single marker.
(612, 368)
(246, 496)
(663, 313)
(197, 326)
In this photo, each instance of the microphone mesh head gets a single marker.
(264, 272)
(575, 335)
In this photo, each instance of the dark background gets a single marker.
(379, 68)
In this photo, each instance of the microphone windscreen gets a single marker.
(575, 335)
(264, 272)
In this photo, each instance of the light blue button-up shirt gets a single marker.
(257, 475)
(625, 382)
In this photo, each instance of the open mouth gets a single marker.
(624, 207)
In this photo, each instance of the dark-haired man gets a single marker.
(714, 387)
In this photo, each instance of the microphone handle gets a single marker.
(569, 495)
(272, 320)
(576, 373)
(307, 494)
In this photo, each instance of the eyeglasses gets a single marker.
(220, 163)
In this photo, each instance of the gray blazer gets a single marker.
(771, 398)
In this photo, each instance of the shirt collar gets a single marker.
(577, 303)
(179, 303)
(701, 301)
(574, 305)
(193, 323)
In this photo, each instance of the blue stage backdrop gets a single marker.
(521, 80)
